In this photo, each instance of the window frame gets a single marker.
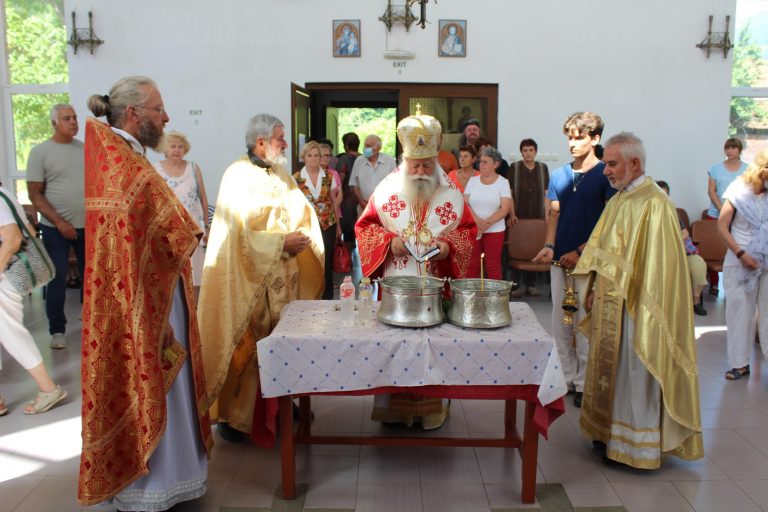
(10, 173)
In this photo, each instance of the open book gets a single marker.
(426, 252)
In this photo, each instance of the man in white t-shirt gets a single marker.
(57, 190)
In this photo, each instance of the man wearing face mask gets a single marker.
(265, 250)
(369, 170)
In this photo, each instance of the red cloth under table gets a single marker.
(264, 429)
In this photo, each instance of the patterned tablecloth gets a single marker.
(313, 350)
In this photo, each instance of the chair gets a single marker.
(526, 238)
(705, 214)
(710, 245)
(683, 216)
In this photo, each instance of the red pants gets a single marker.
(713, 276)
(490, 244)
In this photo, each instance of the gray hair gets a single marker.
(631, 146)
(130, 90)
(490, 152)
(376, 138)
(261, 126)
(54, 114)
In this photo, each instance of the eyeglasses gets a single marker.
(159, 110)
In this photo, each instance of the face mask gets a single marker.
(367, 152)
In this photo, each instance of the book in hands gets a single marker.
(424, 254)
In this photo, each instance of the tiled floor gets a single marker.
(39, 454)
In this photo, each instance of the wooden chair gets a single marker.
(683, 216)
(710, 245)
(526, 238)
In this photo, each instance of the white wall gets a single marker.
(633, 62)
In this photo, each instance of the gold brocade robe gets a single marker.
(637, 255)
(248, 279)
(138, 241)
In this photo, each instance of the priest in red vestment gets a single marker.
(416, 211)
(146, 437)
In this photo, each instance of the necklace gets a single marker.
(580, 176)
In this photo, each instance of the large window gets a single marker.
(749, 104)
(35, 77)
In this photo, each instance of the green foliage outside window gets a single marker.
(748, 71)
(369, 121)
(37, 44)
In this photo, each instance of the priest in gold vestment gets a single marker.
(641, 396)
(265, 249)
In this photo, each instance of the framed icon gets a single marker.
(452, 38)
(346, 38)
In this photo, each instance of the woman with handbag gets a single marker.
(186, 180)
(320, 189)
(14, 336)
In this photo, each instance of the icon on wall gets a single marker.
(452, 38)
(346, 38)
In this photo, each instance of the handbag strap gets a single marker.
(22, 225)
(30, 238)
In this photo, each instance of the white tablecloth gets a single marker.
(312, 350)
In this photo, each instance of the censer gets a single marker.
(570, 298)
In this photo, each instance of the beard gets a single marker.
(277, 158)
(419, 189)
(149, 134)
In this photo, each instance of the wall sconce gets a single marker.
(717, 40)
(403, 14)
(84, 36)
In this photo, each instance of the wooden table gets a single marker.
(297, 362)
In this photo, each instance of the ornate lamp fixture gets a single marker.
(84, 36)
(718, 40)
(403, 14)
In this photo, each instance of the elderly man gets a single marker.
(265, 250)
(470, 132)
(146, 439)
(414, 211)
(56, 188)
(369, 170)
(641, 394)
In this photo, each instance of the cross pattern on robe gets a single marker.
(604, 384)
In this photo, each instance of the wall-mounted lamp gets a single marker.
(84, 36)
(403, 14)
(717, 40)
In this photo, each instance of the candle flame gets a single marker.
(482, 255)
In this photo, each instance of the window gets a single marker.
(749, 102)
(36, 78)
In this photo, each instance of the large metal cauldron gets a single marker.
(411, 301)
(480, 305)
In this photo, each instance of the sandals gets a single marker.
(737, 373)
(45, 401)
(3, 407)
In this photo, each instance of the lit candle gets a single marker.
(482, 276)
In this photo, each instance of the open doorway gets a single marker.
(363, 121)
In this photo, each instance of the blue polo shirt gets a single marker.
(582, 197)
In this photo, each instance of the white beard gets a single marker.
(419, 189)
(278, 159)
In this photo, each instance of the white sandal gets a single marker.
(45, 401)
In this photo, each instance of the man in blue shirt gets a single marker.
(577, 194)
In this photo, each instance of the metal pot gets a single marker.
(477, 303)
(411, 301)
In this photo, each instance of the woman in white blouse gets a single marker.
(490, 200)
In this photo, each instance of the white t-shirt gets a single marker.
(486, 199)
(6, 215)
